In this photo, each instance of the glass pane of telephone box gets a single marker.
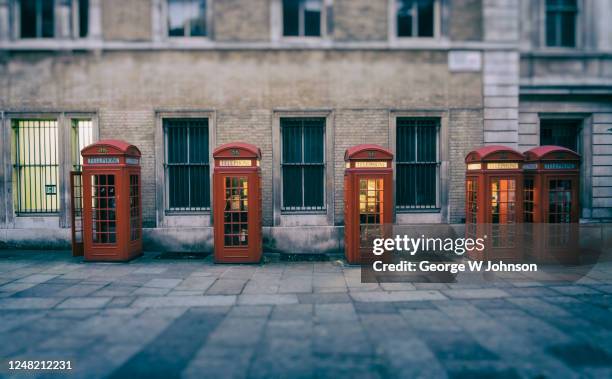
(236, 211)
(371, 205)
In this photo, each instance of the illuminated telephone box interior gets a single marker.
(237, 203)
(493, 185)
(112, 211)
(368, 199)
(551, 202)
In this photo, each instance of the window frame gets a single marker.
(73, 19)
(164, 17)
(56, 163)
(64, 120)
(74, 138)
(319, 218)
(393, 7)
(578, 24)
(303, 209)
(277, 24)
(167, 209)
(438, 126)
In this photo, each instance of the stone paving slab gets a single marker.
(148, 318)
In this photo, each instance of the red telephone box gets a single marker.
(551, 190)
(368, 198)
(112, 212)
(237, 203)
(494, 201)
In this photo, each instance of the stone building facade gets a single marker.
(478, 71)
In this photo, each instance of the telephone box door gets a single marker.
(372, 209)
(76, 215)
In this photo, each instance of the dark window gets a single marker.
(187, 18)
(302, 18)
(36, 166)
(415, 18)
(561, 23)
(417, 163)
(83, 18)
(303, 167)
(560, 133)
(187, 164)
(37, 18)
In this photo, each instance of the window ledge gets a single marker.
(427, 210)
(292, 213)
(187, 213)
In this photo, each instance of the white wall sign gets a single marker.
(464, 61)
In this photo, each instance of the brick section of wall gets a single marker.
(529, 134)
(501, 82)
(241, 20)
(501, 21)
(602, 166)
(126, 20)
(360, 20)
(466, 133)
(136, 126)
(353, 127)
(255, 127)
(466, 22)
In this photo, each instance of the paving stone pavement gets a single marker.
(156, 318)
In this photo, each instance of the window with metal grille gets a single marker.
(303, 164)
(187, 164)
(561, 23)
(302, 18)
(560, 133)
(187, 18)
(82, 136)
(35, 166)
(417, 164)
(415, 18)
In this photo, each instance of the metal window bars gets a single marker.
(35, 166)
(303, 164)
(417, 164)
(187, 168)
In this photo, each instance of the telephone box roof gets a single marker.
(486, 151)
(119, 146)
(252, 149)
(543, 152)
(352, 152)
